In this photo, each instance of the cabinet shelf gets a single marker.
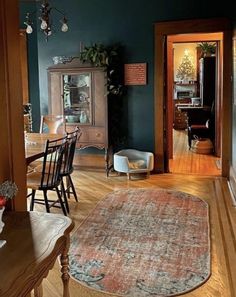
(69, 87)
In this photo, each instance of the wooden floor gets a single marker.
(91, 187)
(187, 162)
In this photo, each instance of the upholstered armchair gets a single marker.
(132, 161)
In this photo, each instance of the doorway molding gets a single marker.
(164, 29)
(12, 157)
(194, 38)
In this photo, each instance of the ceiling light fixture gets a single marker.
(45, 18)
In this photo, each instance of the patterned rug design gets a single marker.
(143, 242)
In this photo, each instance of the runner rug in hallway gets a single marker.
(143, 242)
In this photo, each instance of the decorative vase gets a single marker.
(185, 80)
(83, 117)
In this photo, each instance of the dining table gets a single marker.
(35, 145)
(33, 241)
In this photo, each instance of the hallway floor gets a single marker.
(187, 162)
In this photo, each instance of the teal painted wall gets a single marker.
(130, 23)
(32, 48)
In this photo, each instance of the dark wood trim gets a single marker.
(227, 103)
(169, 103)
(24, 65)
(164, 29)
(182, 38)
(12, 157)
(159, 100)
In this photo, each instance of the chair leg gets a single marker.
(46, 200)
(63, 191)
(32, 200)
(73, 188)
(61, 202)
(68, 186)
(189, 138)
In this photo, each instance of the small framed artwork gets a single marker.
(135, 74)
(234, 70)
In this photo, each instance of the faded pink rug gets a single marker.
(143, 242)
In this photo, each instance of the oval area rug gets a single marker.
(143, 242)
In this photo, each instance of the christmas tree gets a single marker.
(186, 70)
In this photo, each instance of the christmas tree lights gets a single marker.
(186, 71)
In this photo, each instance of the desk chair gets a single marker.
(201, 125)
(49, 178)
(67, 165)
(52, 124)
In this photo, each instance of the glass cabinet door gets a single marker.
(77, 98)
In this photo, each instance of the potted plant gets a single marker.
(207, 48)
(108, 57)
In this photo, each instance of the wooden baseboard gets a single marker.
(232, 184)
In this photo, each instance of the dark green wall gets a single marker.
(33, 64)
(130, 23)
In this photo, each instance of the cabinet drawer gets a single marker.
(92, 135)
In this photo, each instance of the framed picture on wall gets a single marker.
(234, 70)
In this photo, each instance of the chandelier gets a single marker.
(45, 18)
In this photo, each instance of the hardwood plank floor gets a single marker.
(92, 186)
(187, 162)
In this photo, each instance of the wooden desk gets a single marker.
(192, 107)
(34, 240)
(187, 107)
(35, 144)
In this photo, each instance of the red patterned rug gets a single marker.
(143, 242)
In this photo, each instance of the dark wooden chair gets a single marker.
(201, 124)
(49, 178)
(67, 165)
(52, 124)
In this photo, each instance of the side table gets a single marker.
(34, 240)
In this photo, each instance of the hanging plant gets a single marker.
(100, 55)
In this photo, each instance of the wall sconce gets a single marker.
(45, 18)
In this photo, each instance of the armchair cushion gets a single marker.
(136, 164)
(133, 161)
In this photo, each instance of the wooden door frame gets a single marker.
(194, 38)
(164, 29)
(12, 157)
(24, 65)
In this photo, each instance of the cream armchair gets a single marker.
(131, 161)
